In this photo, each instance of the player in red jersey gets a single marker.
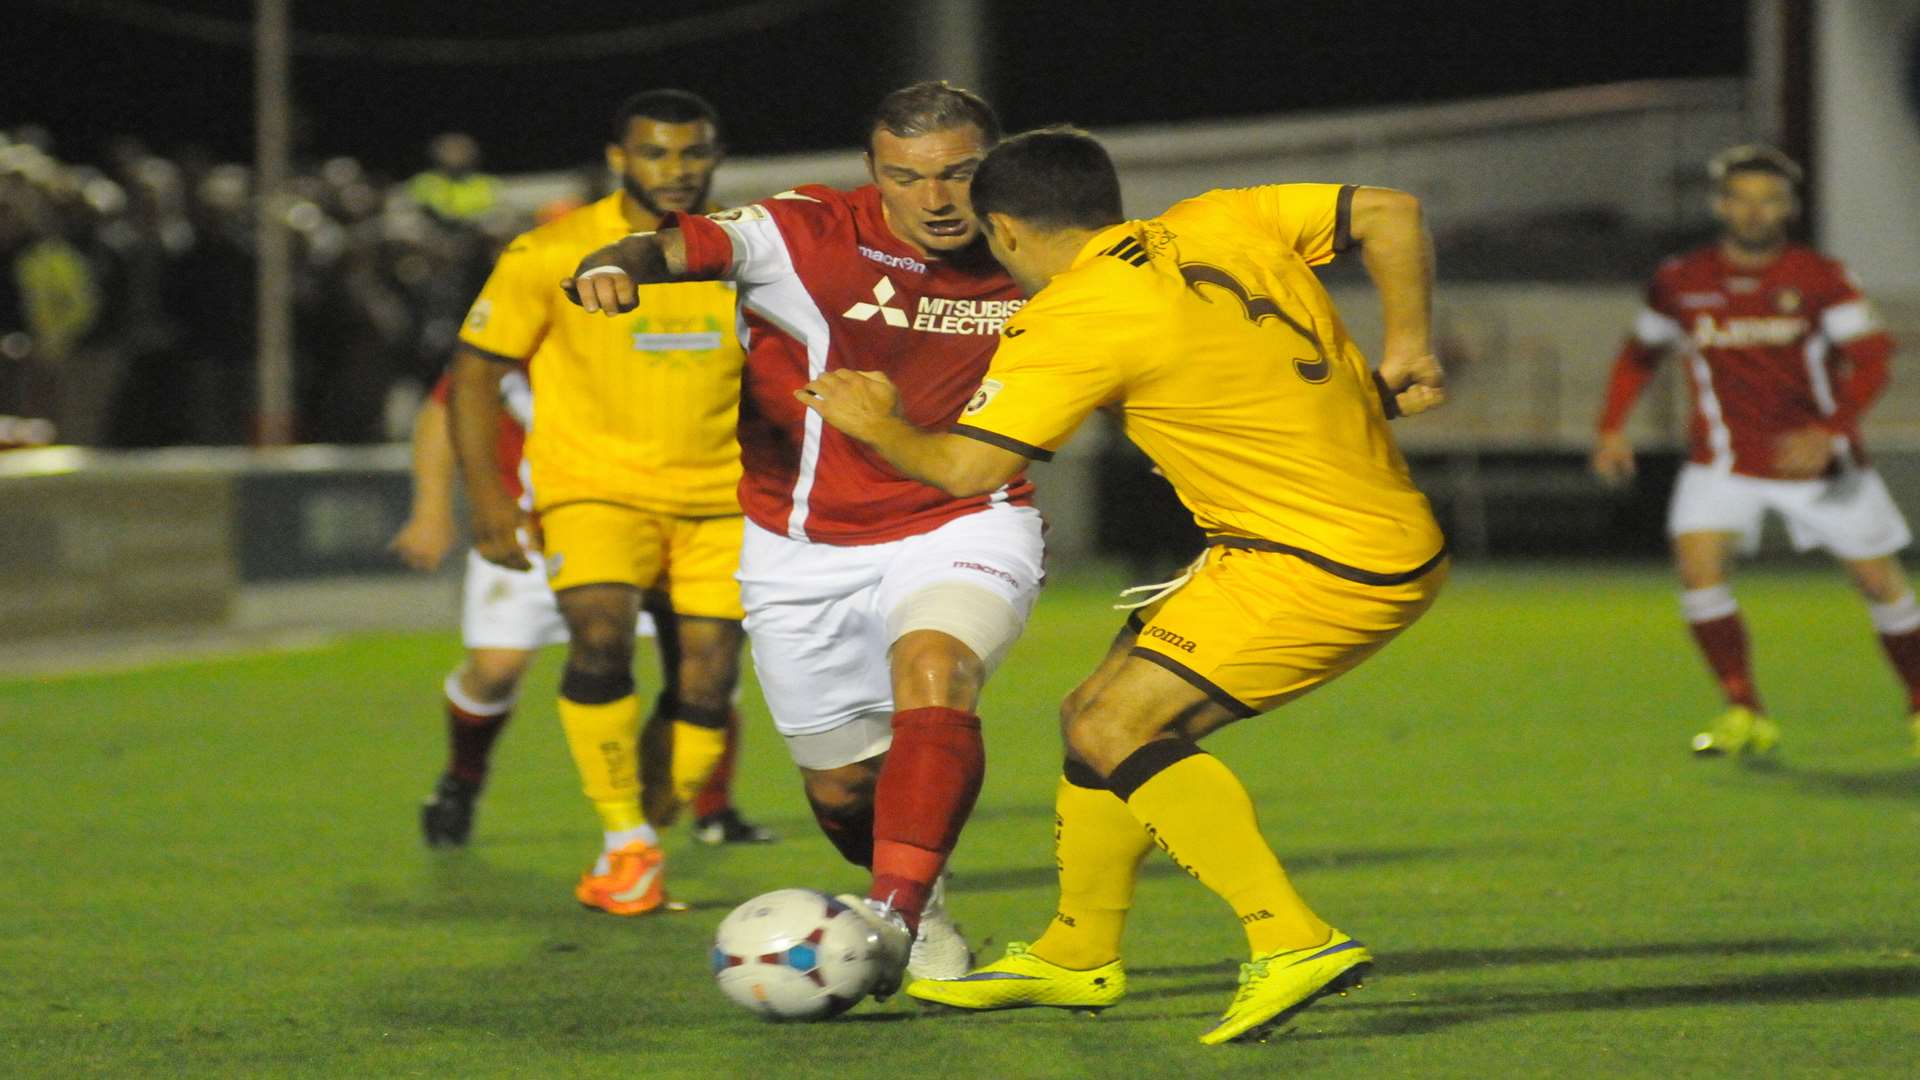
(877, 605)
(1783, 355)
(507, 614)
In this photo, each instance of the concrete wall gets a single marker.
(1867, 139)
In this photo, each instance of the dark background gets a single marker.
(89, 69)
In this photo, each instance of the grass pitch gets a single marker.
(214, 868)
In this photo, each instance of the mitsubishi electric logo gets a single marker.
(882, 292)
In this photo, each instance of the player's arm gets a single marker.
(1866, 355)
(865, 406)
(607, 278)
(1390, 229)
(428, 533)
(475, 410)
(1654, 332)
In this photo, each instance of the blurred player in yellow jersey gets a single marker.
(1207, 332)
(634, 466)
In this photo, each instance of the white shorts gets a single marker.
(514, 609)
(1851, 516)
(822, 618)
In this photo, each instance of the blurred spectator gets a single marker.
(454, 189)
(48, 297)
(127, 291)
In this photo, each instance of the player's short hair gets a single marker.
(1753, 158)
(934, 105)
(666, 107)
(1055, 177)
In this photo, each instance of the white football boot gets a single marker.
(890, 935)
(941, 950)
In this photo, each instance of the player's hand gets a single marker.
(602, 283)
(1804, 454)
(423, 541)
(859, 403)
(1612, 459)
(1421, 369)
(496, 535)
(1418, 398)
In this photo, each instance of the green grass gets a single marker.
(213, 868)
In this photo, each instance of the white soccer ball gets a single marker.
(795, 954)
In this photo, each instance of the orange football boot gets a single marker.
(634, 883)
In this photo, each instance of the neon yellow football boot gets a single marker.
(1279, 984)
(1020, 979)
(1737, 731)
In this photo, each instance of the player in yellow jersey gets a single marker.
(634, 466)
(1207, 332)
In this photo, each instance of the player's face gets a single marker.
(1754, 208)
(666, 166)
(924, 182)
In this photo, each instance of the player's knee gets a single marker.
(707, 682)
(935, 669)
(843, 790)
(600, 644)
(491, 681)
(1092, 741)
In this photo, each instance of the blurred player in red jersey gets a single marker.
(1783, 356)
(505, 616)
(877, 606)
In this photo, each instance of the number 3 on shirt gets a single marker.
(1258, 308)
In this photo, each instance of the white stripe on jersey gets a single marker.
(1655, 330)
(770, 287)
(1719, 437)
(1844, 322)
(1815, 355)
(1821, 380)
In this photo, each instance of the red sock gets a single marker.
(1903, 650)
(470, 741)
(717, 796)
(926, 791)
(1724, 643)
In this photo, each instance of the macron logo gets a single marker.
(898, 262)
(882, 292)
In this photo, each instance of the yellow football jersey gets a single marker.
(1205, 329)
(639, 409)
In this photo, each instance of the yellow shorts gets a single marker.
(1256, 629)
(691, 560)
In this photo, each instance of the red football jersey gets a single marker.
(509, 446)
(1769, 351)
(825, 284)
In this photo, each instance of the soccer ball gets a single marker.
(795, 954)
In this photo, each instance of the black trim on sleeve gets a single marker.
(1198, 681)
(1388, 399)
(1343, 219)
(1135, 621)
(993, 438)
(489, 354)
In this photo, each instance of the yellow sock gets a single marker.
(1197, 810)
(1098, 847)
(603, 740)
(696, 750)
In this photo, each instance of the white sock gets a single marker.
(1900, 616)
(614, 841)
(1708, 604)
